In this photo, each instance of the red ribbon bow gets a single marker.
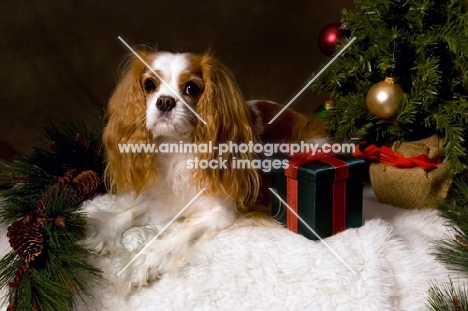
(388, 156)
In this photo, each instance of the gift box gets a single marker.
(326, 193)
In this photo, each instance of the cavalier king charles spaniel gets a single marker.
(182, 98)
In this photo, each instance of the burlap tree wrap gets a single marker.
(412, 188)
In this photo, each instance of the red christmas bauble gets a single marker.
(328, 36)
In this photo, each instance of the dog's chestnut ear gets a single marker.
(126, 117)
(228, 119)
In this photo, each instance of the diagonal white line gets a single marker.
(159, 77)
(313, 79)
(160, 232)
(312, 230)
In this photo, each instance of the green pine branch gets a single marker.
(42, 189)
(447, 297)
(453, 250)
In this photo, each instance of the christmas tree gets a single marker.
(415, 54)
(423, 46)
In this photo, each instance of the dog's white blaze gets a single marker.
(170, 67)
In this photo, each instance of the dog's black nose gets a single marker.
(165, 103)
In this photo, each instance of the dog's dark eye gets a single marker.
(191, 89)
(149, 85)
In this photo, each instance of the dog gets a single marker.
(169, 98)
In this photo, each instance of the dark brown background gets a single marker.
(60, 59)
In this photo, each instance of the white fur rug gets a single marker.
(257, 268)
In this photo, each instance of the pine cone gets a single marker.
(25, 238)
(82, 140)
(67, 178)
(456, 303)
(87, 184)
(59, 221)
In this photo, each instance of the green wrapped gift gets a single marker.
(326, 193)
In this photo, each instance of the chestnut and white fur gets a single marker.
(153, 187)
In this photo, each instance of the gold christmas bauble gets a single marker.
(384, 98)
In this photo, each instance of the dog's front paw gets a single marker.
(135, 238)
(150, 264)
(102, 237)
(135, 273)
(101, 242)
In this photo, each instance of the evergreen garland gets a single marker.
(423, 45)
(48, 268)
(453, 251)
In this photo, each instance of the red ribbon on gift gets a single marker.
(389, 157)
(339, 189)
